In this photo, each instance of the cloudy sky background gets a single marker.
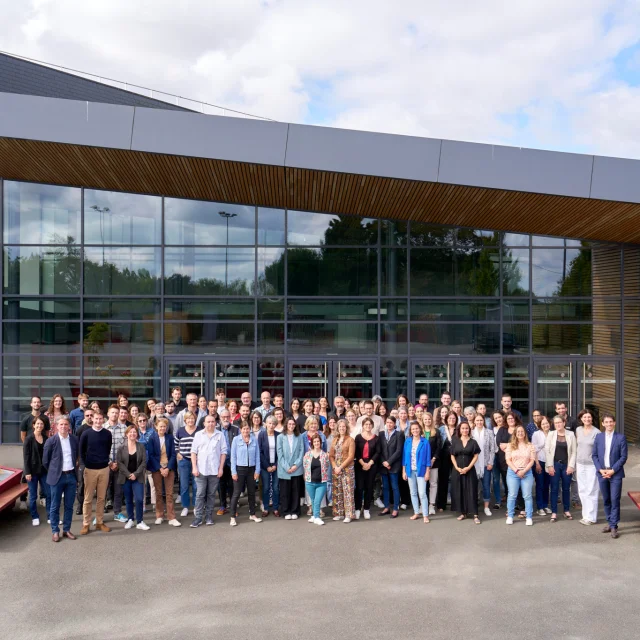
(548, 74)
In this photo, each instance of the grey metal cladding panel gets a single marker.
(66, 121)
(203, 136)
(374, 154)
(516, 169)
(616, 179)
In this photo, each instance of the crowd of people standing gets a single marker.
(346, 457)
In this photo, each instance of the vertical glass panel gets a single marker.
(455, 339)
(554, 383)
(424, 234)
(477, 384)
(354, 380)
(209, 271)
(308, 229)
(41, 270)
(270, 226)
(270, 272)
(394, 338)
(393, 272)
(309, 380)
(433, 379)
(209, 337)
(41, 214)
(515, 338)
(190, 376)
(393, 379)
(394, 233)
(515, 272)
(41, 309)
(41, 337)
(561, 272)
(121, 218)
(234, 378)
(515, 382)
(335, 338)
(597, 388)
(193, 222)
(122, 271)
(271, 338)
(121, 337)
(270, 377)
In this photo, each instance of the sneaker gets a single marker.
(158, 520)
(120, 518)
(487, 511)
(403, 507)
(175, 523)
(196, 523)
(432, 510)
(184, 513)
(509, 521)
(548, 511)
(142, 526)
(233, 522)
(367, 515)
(529, 522)
(542, 512)
(209, 522)
(255, 518)
(36, 522)
(288, 516)
(347, 520)
(312, 519)
(294, 516)
(318, 521)
(337, 518)
(129, 524)
(357, 515)
(496, 506)
(379, 503)
(49, 522)
(178, 500)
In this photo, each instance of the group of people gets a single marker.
(347, 457)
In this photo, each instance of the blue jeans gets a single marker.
(560, 476)
(515, 482)
(33, 493)
(186, 480)
(543, 482)
(486, 485)
(611, 490)
(316, 491)
(270, 480)
(134, 493)
(390, 481)
(66, 487)
(418, 487)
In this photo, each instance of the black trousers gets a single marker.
(290, 496)
(225, 488)
(246, 478)
(405, 492)
(364, 484)
(444, 474)
(80, 478)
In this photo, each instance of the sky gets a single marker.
(550, 74)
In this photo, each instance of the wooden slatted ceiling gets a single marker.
(324, 191)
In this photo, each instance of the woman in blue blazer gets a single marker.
(290, 449)
(268, 445)
(416, 467)
(162, 464)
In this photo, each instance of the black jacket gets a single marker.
(435, 442)
(32, 461)
(391, 452)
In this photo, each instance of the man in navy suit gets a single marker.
(59, 458)
(609, 456)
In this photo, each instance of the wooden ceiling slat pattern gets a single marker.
(273, 186)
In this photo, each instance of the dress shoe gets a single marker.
(606, 529)
(68, 534)
(101, 526)
(79, 510)
(276, 513)
(56, 537)
(614, 533)
(85, 530)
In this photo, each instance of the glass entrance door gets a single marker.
(353, 379)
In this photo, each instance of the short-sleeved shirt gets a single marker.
(26, 425)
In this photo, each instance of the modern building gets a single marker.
(147, 246)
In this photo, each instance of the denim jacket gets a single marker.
(245, 455)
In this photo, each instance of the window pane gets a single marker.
(515, 338)
(121, 218)
(392, 310)
(547, 241)
(394, 272)
(436, 310)
(516, 240)
(233, 309)
(599, 309)
(209, 337)
(561, 272)
(394, 338)
(121, 337)
(41, 214)
(583, 339)
(332, 272)
(431, 235)
(468, 238)
(394, 233)
(271, 309)
(122, 271)
(193, 222)
(270, 272)
(329, 338)
(42, 270)
(214, 271)
(307, 228)
(271, 338)
(515, 272)
(270, 226)
(41, 337)
(336, 310)
(132, 309)
(41, 309)
(393, 380)
(515, 382)
(515, 311)
(462, 339)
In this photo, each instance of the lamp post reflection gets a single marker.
(226, 215)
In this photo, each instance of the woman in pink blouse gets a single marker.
(56, 412)
(521, 456)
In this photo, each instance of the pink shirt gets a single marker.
(521, 456)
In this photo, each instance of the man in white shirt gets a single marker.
(378, 422)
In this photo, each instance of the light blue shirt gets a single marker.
(245, 455)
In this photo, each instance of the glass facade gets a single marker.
(112, 293)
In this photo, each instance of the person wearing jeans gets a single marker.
(132, 465)
(34, 472)
(162, 463)
(560, 452)
(316, 467)
(543, 479)
(416, 466)
(484, 465)
(267, 442)
(245, 471)
(183, 441)
(520, 456)
(391, 448)
(208, 455)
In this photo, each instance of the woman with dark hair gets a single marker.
(401, 401)
(162, 462)
(150, 405)
(324, 408)
(503, 437)
(232, 406)
(342, 455)
(586, 473)
(381, 410)
(448, 432)
(391, 450)
(245, 472)
(57, 411)
(316, 475)
(132, 464)
(278, 414)
(307, 412)
(464, 479)
(497, 423)
(255, 421)
(34, 472)
(295, 408)
(290, 450)
(440, 416)
(367, 454)
(484, 465)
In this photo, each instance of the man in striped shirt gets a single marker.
(184, 439)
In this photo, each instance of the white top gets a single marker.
(272, 448)
(67, 460)
(290, 438)
(608, 439)
(161, 442)
(537, 440)
(208, 449)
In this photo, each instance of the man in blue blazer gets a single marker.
(59, 458)
(609, 456)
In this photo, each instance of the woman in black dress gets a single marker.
(448, 432)
(464, 480)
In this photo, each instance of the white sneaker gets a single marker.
(542, 512)
(347, 520)
(529, 522)
(487, 511)
(367, 515)
(178, 500)
(233, 522)
(357, 515)
(158, 520)
(294, 516)
(184, 513)
(129, 524)
(319, 521)
(255, 518)
(337, 518)
(509, 520)
(143, 526)
(49, 522)
(403, 507)
(312, 519)
(36, 522)
(432, 510)
(175, 523)
(379, 503)
(288, 516)
(548, 511)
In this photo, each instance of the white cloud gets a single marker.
(528, 73)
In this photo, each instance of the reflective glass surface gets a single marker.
(271, 226)
(270, 272)
(393, 270)
(41, 270)
(444, 310)
(306, 228)
(585, 339)
(459, 339)
(40, 309)
(271, 309)
(271, 337)
(232, 309)
(140, 309)
(561, 272)
(337, 310)
(41, 337)
(515, 272)
(122, 271)
(209, 337)
(354, 337)
(121, 337)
